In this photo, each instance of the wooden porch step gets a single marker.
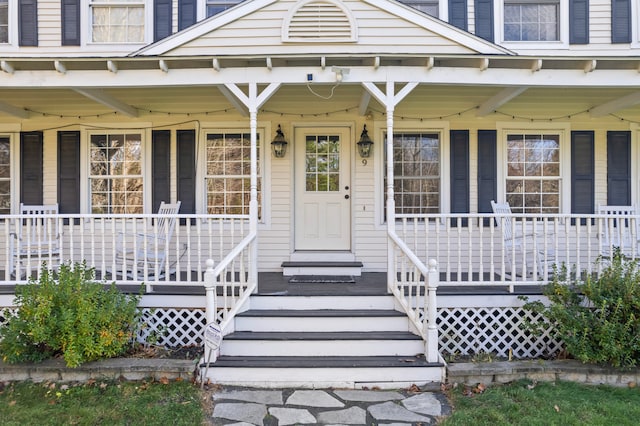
(351, 372)
(329, 268)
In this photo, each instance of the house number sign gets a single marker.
(212, 336)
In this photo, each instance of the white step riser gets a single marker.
(290, 271)
(321, 347)
(310, 324)
(317, 378)
(321, 302)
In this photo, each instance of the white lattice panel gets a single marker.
(5, 314)
(172, 328)
(468, 331)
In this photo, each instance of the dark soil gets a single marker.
(148, 351)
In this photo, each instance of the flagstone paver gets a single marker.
(258, 396)
(424, 403)
(313, 398)
(367, 395)
(349, 416)
(292, 416)
(244, 412)
(393, 411)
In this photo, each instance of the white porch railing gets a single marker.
(471, 249)
(414, 287)
(126, 249)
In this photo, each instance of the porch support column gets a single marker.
(390, 100)
(253, 102)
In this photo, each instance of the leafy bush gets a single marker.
(67, 313)
(598, 318)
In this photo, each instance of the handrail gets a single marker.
(407, 283)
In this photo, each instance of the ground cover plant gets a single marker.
(101, 403)
(597, 318)
(531, 404)
(66, 313)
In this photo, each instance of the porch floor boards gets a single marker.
(274, 283)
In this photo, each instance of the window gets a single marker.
(531, 20)
(430, 7)
(416, 163)
(115, 173)
(5, 176)
(228, 173)
(117, 21)
(216, 6)
(533, 173)
(4, 21)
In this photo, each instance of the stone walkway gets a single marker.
(245, 407)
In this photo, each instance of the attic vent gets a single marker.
(319, 20)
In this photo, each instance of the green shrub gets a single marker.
(598, 318)
(66, 313)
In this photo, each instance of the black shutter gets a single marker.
(620, 21)
(458, 13)
(69, 172)
(459, 173)
(484, 19)
(186, 13)
(579, 21)
(582, 172)
(31, 168)
(28, 25)
(161, 19)
(487, 170)
(186, 173)
(70, 22)
(619, 168)
(160, 167)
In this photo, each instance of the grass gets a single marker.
(562, 403)
(101, 403)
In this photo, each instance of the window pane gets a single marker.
(416, 162)
(216, 6)
(533, 173)
(322, 154)
(4, 21)
(115, 173)
(117, 23)
(228, 173)
(531, 21)
(430, 7)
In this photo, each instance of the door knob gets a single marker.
(346, 197)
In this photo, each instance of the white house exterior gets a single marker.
(108, 108)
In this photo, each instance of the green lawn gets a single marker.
(101, 403)
(564, 403)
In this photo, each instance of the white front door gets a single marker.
(322, 189)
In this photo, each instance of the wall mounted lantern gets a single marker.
(365, 143)
(279, 144)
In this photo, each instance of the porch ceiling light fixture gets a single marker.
(340, 72)
(365, 143)
(279, 144)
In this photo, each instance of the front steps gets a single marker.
(322, 263)
(323, 341)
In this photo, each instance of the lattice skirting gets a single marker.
(463, 331)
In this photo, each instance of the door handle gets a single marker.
(346, 197)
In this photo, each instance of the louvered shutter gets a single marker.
(620, 21)
(160, 167)
(28, 25)
(487, 170)
(458, 13)
(459, 171)
(161, 19)
(69, 172)
(70, 14)
(31, 167)
(186, 172)
(578, 21)
(484, 19)
(619, 168)
(582, 172)
(186, 13)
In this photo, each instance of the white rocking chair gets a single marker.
(36, 239)
(618, 230)
(144, 255)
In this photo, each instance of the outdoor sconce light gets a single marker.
(365, 143)
(279, 144)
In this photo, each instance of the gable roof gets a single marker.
(312, 27)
